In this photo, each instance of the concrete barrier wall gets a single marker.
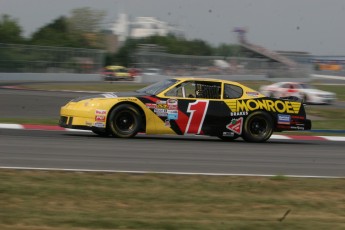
(58, 77)
(49, 77)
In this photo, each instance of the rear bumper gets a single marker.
(307, 124)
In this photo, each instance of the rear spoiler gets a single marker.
(293, 98)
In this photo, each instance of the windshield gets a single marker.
(157, 87)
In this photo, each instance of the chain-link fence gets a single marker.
(16, 58)
(150, 56)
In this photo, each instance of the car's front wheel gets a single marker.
(124, 121)
(258, 127)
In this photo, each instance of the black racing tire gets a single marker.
(124, 121)
(228, 138)
(258, 127)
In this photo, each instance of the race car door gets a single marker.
(199, 107)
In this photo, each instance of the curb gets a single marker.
(274, 136)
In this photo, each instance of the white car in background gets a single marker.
(152, 71)
(304, 91)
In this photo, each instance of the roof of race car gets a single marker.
(204, 79)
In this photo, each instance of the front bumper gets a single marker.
(67, 122)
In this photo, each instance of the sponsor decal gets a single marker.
(297, 127)
(236, 125)
(100, 112)
(100, 118)
(150, 105)
(172, 104)
(162, 106)
(167, 108)
(172, 101)
(297, 117)
(161, 112)
(228, 134)
(128, 99)
(284, 119)
(288, 127)
(252, 94)
(172, 116)
(278, 106)
(234, 114)
(99, 125)
(167, 123)
(160, 102)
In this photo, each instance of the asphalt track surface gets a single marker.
(194, 154)
(200, 155)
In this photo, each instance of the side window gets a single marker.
(199, 89)
(208, 90)
(232, 91)
(185, 90)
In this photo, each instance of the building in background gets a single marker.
(141, 27)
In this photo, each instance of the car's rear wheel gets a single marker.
(124, 121)
(258, 127)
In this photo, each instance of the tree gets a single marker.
(80, 30)
(88, 23)
(10, 31)
(57, 33)
(86, 20)
(176, 45)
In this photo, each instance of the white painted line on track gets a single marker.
(333, 138)
(11, 126)
(168, 173)
(280, 137)
(328, 77)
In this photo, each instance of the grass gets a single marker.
(52, 200)
(38, 121)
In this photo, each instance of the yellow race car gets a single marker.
(181, 106)
(115, 73)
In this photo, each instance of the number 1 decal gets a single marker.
(197, 112)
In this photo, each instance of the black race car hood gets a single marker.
(110, 95)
